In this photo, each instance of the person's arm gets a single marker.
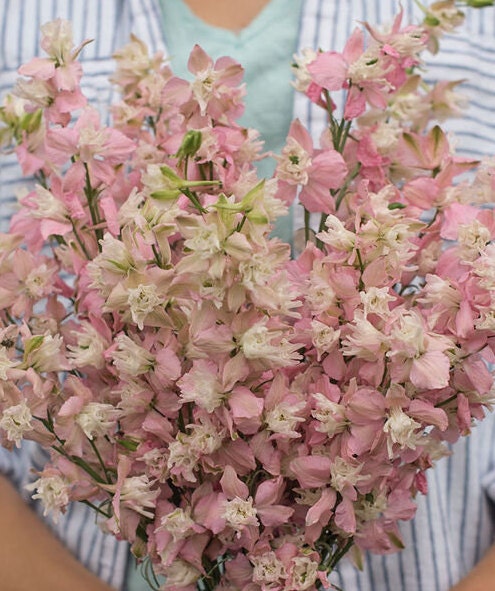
(30, 555)
(482, 577)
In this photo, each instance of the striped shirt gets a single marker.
(453, 526)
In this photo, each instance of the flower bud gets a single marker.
(190, 144)
(479, 3)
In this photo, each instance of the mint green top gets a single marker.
(265, 49)
(135, 580)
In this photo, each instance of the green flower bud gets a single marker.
(479, 3)
(190, 144)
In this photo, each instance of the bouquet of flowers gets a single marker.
(241, 417)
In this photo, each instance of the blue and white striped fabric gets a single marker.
(454, 524)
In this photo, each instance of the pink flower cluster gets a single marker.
(241, 417)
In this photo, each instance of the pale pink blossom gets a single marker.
(53, 490)
(214, 398)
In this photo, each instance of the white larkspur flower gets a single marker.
(331, 415)
(273, 207)
(181, 574)
(97, 418)
(131, 211)
(440, 291)
(257, 270)
(5, 363)
(446, 16)
(205, 241)
(323, 337)
(486, 321)
(142, 300)
(344, 474)
(304, 573)
(307, 496)
(302, 76)
(16, 421)
(205, 438)
(336, 235)
(401, 429)
(58, 41)
(43, 353)
(39, 281)
(368, 67)
(293, 163)
(203, 85)
(364, 340)
(130, 358)
(114, 257)
(182, 458)
(376, 300)
(386, 137)
(409, 106)
(48, 206)
(484, 267)
(284, 418)
(320, 294)
(238, 513)
(136, 494)
(178, 524)
(53, 491)
(89, 347)
(267, 568)
(156, 464)
(369, 510)
(473, 239)
(34, 91)
(201, 386)
(260, 342)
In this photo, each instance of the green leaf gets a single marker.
(129, 444)
(396, 541)
(479, 3)
(190, 144)
(431, 21)
(166, 194)
(32, 344)
(169, 174)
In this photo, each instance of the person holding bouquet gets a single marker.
(453, 528)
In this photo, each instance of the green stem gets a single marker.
(152, 405)
(40, 176)
(96, 508)
(81, 463)
(321, 227)
(445, 402)
(194, 200)
(241, 223)
(157, 255)
(343, 190)
(91, 195)
(307, 226)
(80, 242)
(10, 318)
(323, 219)
(331, 119)
(180, 422)
(101, 462)
(149, 575)
(344, 134)
(338, 555)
